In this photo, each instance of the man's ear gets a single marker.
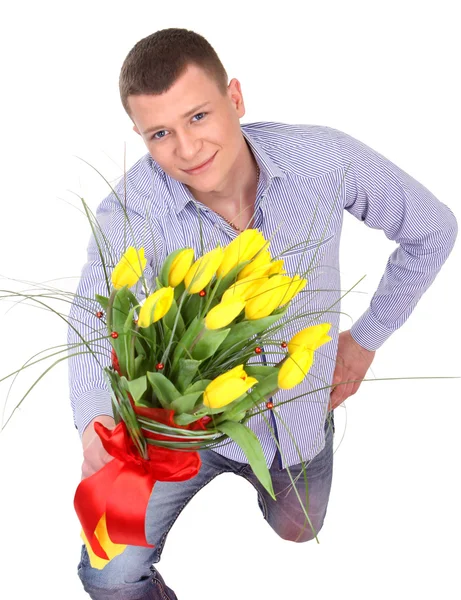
(136, 130)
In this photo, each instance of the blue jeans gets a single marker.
(131, 575)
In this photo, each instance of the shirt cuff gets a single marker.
(369, 332)
(90, 405)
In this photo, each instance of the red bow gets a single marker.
(122, 488)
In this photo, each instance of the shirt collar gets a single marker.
(268, 168)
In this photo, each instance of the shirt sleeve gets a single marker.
(385, 197)
(118, 226)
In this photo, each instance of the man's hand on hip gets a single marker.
(352, 363)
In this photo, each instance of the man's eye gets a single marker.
(163, 131)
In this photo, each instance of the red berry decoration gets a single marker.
(99, 314)
(269, 405)
(258, 350)
(114, 334)
(159, 366)
(202, 293)
(284, 344)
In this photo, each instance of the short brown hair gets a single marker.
(154, 63)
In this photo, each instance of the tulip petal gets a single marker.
(295, 368)
(224, 312)
(244, 247)
(201, 272)
(227, 387)
(180, 266)
(129, 268)
(156, 306)
(311, 337)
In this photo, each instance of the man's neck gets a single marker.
(239, 191)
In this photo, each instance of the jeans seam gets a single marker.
(163, 538)
(162, 589)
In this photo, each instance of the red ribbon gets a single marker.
(122, 488)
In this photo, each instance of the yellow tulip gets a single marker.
(296, 285)
(245, 288)
(267, 298)
(295, 368)
(276, 267)
(224, 312)
(227, 387)
(242, 248)
(156, 306)
(262, 259)
(179, 267)
(111, 548)
(200, 273)
(129, 268)
(311, 337)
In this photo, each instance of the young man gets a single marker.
(204, 171)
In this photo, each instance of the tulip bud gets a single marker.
(180, 266)
(156, 306)
(227, 387)
(276, 267)
(311, 338)
(295, 368)
(295, 286)
(262, 259)
(224, 312)
(267, 298)
(129, 268)
(245, 288)
(200, 273)
(242, 248)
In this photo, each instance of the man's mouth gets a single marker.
(201, 167)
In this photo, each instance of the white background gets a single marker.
(385, 73)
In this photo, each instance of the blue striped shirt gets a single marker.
(308, 176)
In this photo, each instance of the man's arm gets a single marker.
(89, 394)
(384, 197)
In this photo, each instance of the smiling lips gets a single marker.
(200, 167)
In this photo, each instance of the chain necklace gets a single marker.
(227, 220)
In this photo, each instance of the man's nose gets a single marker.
(188, 146)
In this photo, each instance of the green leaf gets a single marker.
(260, 372)
(170, 317)
(167, 333)
(120, 311)
(242, 332)
(187, 370)
(208, 343)
(136, 387)
(185, 403)
(249, 443)
(103, 301)
(198, 386)
(191, 308)
(163, 388)
(129, 325)
(186, 418)
(185, 342)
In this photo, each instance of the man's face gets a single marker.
(179, 143)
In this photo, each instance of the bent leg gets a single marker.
(130, 575)
(285, 515)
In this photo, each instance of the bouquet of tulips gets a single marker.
(180, 378)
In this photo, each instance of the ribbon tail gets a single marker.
(90, 502)
(126, 507)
